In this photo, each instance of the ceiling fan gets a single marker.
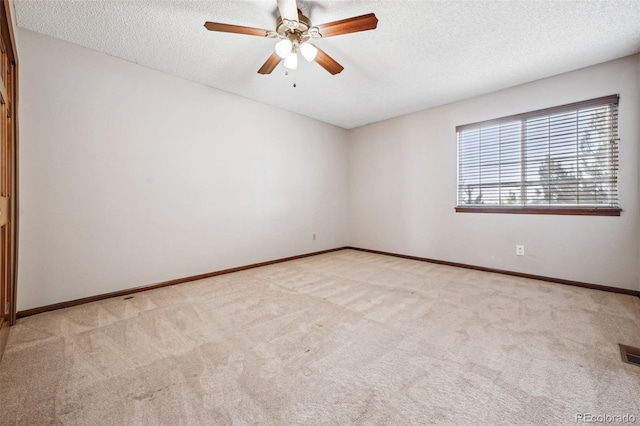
(294, 31)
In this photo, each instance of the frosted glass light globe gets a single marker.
(309, 51)
(283, 48)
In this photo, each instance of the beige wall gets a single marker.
(403, 188)
(130, 177)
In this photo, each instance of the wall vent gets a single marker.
(630, 355)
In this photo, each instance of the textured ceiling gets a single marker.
(423, 53)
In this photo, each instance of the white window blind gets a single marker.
(564, 157)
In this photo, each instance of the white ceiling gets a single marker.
(423, 53)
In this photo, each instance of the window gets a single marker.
(561, 160)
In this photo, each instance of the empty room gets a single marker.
(289, 212)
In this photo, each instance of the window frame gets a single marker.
(585, 210)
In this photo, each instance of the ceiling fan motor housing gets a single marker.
(296, 32)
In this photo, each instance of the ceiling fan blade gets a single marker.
(271, 64)
(349, 25)
(328, 63)
(288, 10)
(237, 29)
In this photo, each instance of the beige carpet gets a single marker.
(342, 338)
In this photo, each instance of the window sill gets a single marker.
(578, 211)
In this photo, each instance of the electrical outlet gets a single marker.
(519, 250)
(313, 237)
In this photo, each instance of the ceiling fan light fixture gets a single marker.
(309, 51)
(283, 48)
(291, 61)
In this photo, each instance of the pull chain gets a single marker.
(295, 84)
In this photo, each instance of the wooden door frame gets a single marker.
(6, 30)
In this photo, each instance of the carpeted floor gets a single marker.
(341, 338)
